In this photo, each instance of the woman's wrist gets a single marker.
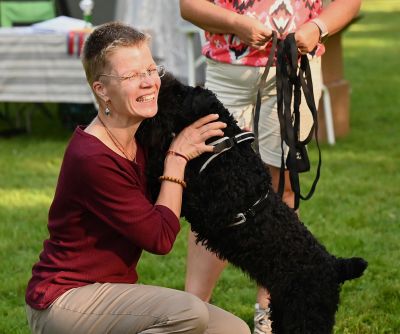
(239, 23)
(176, 180)
(174, 166)
(178, 154)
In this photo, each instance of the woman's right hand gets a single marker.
(252, 32)
(191, 140)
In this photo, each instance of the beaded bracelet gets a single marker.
(172, 179)
(178, 155)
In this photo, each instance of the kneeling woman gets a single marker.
(101, 217)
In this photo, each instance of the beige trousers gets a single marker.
(131, 308)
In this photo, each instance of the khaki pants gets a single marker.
(131, 308)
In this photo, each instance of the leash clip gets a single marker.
(241, 219)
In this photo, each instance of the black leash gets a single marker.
(290, 80)
(261, 86)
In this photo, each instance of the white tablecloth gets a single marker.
(35, 67)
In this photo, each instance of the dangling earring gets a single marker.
(107, 110)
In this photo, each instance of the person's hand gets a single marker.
(252, 32)
(307, 37)
(191, 140)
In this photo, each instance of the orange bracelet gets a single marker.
(173, 179)
(178, 155)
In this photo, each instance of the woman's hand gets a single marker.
(252, 32)
(189, 143)
(218, 20)
(307, 37)
(191, 140)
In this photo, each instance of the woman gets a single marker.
(101, 218)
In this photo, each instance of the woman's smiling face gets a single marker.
(132, 83)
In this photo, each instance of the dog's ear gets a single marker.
(172, 88)
(350, 268)
(204, 102)
(168, 80)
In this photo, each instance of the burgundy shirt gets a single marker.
(99, 222)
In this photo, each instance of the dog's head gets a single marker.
(179, 105)
(174, 101)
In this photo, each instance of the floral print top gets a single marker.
(283, 16)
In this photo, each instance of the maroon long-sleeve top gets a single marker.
(99, 222)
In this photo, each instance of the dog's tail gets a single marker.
(350, 268)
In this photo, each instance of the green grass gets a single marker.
(355, 210)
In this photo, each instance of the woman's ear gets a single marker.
(100, 90)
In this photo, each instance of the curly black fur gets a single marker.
(275, 248)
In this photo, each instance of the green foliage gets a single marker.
(354, 212)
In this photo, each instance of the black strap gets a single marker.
(290, 81)
(229, 142)
(251, 212)
(226, 143)
(263, 82)
(307, 86)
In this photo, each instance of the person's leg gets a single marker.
(223, 322)
(203, 268)
(122, 308)
(288, 194)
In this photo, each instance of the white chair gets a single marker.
(190, 31)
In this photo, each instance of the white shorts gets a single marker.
(236, 87)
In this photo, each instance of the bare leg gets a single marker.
(288, 194)
(203, 269)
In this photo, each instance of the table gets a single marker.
(35, 67)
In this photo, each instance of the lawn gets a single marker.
(354, 212)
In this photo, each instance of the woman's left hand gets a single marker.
(191, 140)
(307, 37)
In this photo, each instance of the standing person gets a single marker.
(101, 218)
(238, 35)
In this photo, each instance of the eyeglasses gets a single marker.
(157, 72)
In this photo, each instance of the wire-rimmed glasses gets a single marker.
(157, 72)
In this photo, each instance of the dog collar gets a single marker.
(226, 143)
(241, 217)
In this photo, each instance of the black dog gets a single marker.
(267, 241)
